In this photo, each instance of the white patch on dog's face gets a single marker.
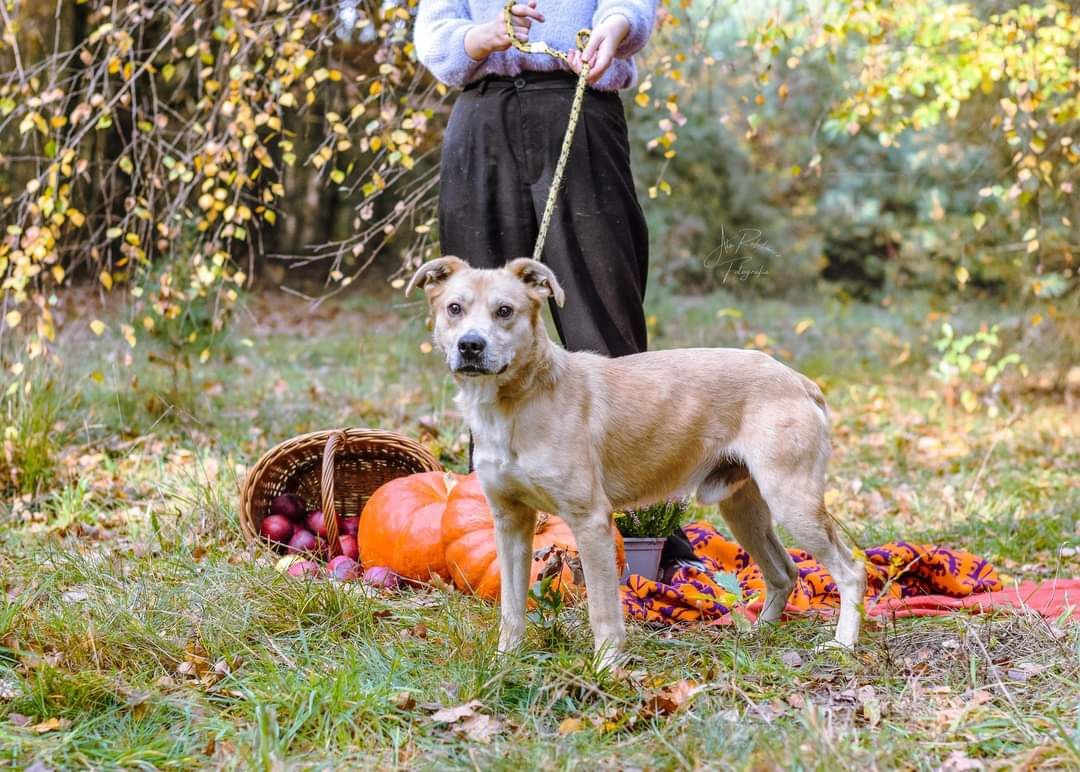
(484, 321)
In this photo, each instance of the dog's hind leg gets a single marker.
(750, 521)
(797, 505)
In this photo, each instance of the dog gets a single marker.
(582, 436)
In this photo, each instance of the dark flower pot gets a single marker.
(643, 556)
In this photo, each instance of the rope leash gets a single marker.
(539, 47)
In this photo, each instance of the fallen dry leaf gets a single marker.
(453, 715)
(569, 725)
(51, 725)
(791, 658)
(959, 762)
(1024, 671)
(871, 706)
(186, 668)
(403, 701)
(479, 728)
(671, 698)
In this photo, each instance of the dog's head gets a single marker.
(486, 320)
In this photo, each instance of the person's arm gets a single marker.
(439, 36)
(641, 16)
(453, 46)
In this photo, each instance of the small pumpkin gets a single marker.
(468, 534)
(401, 526)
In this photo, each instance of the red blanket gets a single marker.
(903, 580)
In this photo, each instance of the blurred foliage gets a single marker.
(172, 150)
(878, 145)
(167, 147)
(970, 361)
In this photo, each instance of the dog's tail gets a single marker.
(814, 392)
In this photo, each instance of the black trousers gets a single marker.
(498, 159)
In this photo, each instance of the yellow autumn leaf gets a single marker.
(97, 326)
(106, 279)
(803, 325)
(13, 318)
(569, 725)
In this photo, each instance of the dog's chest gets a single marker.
(503, 467)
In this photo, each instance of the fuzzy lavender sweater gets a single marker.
(441, 26)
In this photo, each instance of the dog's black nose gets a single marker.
(471, 344)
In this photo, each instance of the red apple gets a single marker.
(343, 568)
(316, 523)
(349, 526)
(303, 540)
(347, 546)
(305, 568)
(380, 576)
(276, 528)
(288, 505)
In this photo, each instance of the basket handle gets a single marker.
(326, 488)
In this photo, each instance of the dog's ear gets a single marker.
(435, 272)
(539, 277)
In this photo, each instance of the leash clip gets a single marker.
(539, 46)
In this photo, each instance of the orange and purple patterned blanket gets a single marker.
(904, 580)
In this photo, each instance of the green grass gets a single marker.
(136, 617)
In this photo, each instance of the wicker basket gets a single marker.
(336, 470)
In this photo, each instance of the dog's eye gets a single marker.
(504, 312)
(454, 309)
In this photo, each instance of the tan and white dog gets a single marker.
(582, 435)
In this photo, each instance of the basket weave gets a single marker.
(334, 470)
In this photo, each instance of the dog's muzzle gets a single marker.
(472, 355)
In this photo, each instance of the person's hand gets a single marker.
(600, 51)
(482, 40)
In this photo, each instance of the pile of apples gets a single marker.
(301, 534)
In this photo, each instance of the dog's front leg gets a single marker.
(514, 529)
(597, 546)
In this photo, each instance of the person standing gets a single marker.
(503, 140)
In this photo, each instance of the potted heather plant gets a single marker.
(644, 532)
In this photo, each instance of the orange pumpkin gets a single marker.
(468, 534)
(401, 526)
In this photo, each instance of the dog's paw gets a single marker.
(610, 659)
(510, 642)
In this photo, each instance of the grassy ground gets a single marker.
(137, 629)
